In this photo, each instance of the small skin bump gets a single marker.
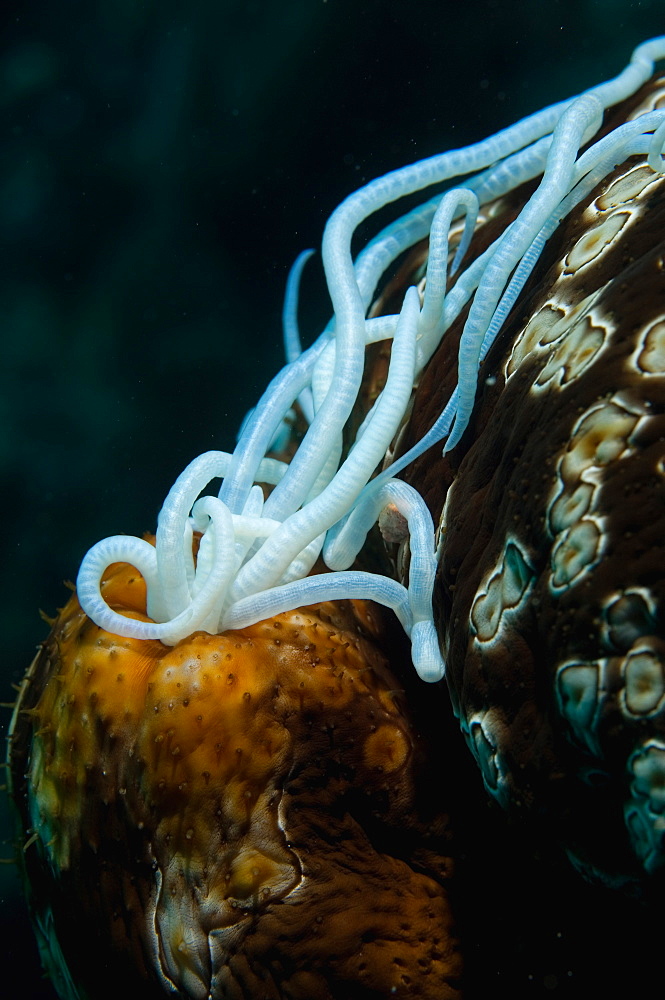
(573, 354)
(625, 188)
(595, 242)
(485, 751)
(569, 508)
(648, 768)
(644, 679)
(578, 689)
(628, 616)
(387, 748)
(644, 810)
(650, 358)
(599, 438)
(503, 592)
(575, 552)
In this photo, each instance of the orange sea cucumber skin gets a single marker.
(224, 816)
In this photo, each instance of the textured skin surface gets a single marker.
(551, 589)
(236, 816)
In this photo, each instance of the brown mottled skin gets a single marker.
(245, 815)
(497, 485)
